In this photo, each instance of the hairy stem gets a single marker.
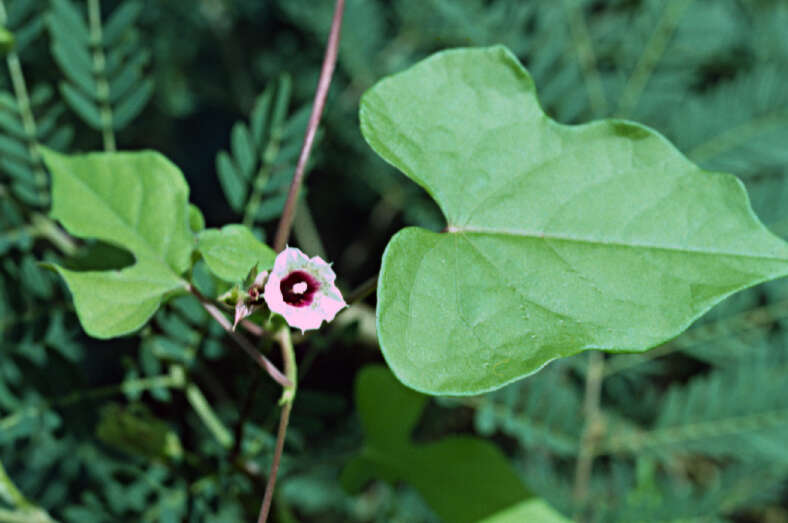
(329, 61)
(245, 344)
(100, 72)
(26, 113)
(288, 395)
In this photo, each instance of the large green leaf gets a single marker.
(232, 251)
(559, 238)
(462, 478)
(137, 201)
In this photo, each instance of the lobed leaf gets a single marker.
(559, 238)
(136, 200)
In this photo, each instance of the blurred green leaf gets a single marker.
(535, 510)
(463, 478)
(6, 40)
(135, 430)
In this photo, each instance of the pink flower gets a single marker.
(303, 290)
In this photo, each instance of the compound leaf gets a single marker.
(559, 238)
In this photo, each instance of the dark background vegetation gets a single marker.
(695, 430)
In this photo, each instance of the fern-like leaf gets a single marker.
(104, 66)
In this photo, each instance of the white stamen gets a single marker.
(300, 287)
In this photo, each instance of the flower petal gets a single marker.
(327, 299)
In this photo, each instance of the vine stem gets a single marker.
(286, 401)
(245, 344)
(25, 112)
(99, 70)
(327, 71)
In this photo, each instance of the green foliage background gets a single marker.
(143, 428)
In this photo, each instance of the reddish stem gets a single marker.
(329, 61)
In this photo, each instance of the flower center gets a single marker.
(298, 288)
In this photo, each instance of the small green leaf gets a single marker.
(6, 41)
(69, 20)
(122, 83)
(233, 185)
(196, 219)
(15, 148)
(232, 251)
(121, 20)
(131, 106)
(136, 200)
(559, 238)
(76, 64)
(243, 150)
(259, 116)
(82, 105)
(27, 34)
(463, 478)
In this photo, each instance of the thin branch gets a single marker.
(592, 431)
(654, 50)
(636, 441)
(742, 322)
(736, 136)
(329, 61)
(586, 57)
(363, 290)
(288, 395)
(245, 344)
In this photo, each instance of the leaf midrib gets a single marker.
(541, 235)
